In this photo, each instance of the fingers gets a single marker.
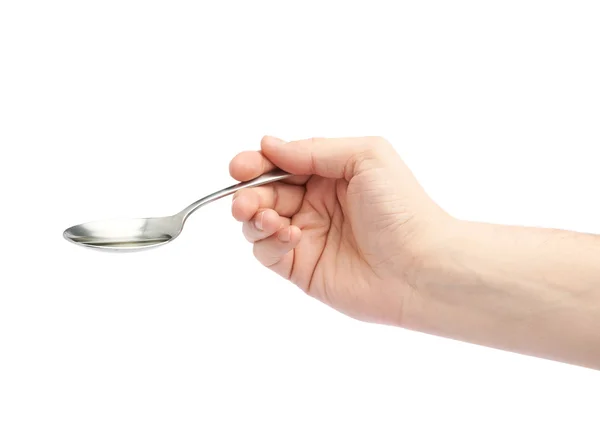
(273, 237)
(331, 158)
(264, 224)
(260, 220)
(250, 164)
(285, 199)
(274, 240)
(277, 251)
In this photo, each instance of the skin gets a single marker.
(355, 230)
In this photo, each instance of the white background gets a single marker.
(134, 108)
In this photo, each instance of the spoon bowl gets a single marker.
(125, 234)
(143, 233)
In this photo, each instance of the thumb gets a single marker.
(329, 157)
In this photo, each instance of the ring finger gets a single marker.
(264, 224)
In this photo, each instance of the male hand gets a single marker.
(350, 229)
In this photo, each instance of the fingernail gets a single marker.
(285, 235)
(259, 221)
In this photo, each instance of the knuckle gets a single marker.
(259, 253)
(256, 251)
(315, 141)
(248, 232)
(376, 148)
(265, 254)
(373, 153)
(378, 145)
(246, 195)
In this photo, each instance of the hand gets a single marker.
(355, 230)
(349, 229)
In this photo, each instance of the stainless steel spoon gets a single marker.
(142, 233)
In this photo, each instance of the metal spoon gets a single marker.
(142, 233)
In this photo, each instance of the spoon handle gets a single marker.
(265, 178)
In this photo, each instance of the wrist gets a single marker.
(435, 253)
(443, 275)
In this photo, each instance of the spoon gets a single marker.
(143, 233)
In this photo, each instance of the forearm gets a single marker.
(527, 290)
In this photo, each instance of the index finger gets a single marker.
(249, 164)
